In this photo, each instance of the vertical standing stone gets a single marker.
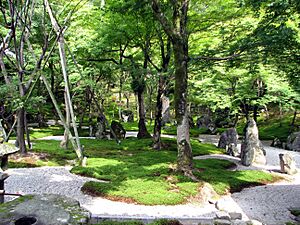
(287, 164)
(252, 150)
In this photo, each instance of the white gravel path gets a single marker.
(268, 204)
(58, 180)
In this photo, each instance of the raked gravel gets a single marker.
(268, 204)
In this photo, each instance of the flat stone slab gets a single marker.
(7, 149)
(43, 210)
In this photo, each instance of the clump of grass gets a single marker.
(295, 212)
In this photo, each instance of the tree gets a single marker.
(176, 29)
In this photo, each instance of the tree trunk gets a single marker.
(255, 113)
(185, 157)
(27, 131)
(157, 144)
(293, 121)
(65, 142)
(21, 131)
(143, 132)
(176, 29)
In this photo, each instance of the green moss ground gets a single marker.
(136, 173)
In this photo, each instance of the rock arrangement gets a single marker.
(127, 116)
(118, 130)
(276, 143)
(287, 164)
(43, 209)
(228, 140)
(293, 142)
(224, 217)
(252, 150)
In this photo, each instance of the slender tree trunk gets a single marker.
(27, 131)
(157, 144)
(137, 106)
(280, 114)
(293, 121)
(255, 113)
(143, 132)
(65, 142)
(21, 131)
(63, 61)
(120, 99)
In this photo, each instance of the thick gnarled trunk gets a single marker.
(185, 158)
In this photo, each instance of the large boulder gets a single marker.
(252, 150)
(118, 130)
(43, 210)
(293, 142)
(287, 164)
(230, 136)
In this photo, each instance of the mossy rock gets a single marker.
(46, 209)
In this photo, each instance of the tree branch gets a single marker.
(104, 60)
(209, 58)
(167, 26)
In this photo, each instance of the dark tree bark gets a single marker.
(177, 31)
(21, 131)
(157, 144)
(143, 132)
(166, 56)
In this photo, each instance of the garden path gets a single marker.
(268, 204)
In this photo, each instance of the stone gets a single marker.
(235, 216)
(100, 129)
(222, 222)
(232, 150)
(223, 215)
(227, 137)
(293, 142)
(127, 116)
(7, 149)
(254, 222)
(118, 130)
(2, 132)
(212, 128)
(166, 115)
(44, 209)
(207, 193)
(252, 150)
(277, 143)
(287, 164)
(228, 140)
(239, 222)
(204, 121)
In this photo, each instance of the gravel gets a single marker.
(268, 204)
